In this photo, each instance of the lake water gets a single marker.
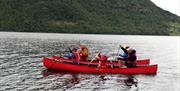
(21, 67)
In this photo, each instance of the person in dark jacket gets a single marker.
(130, 62)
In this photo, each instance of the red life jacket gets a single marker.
(103, 60)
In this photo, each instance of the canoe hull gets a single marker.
(53, 65)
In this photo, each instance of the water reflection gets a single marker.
(99, 81)
(102, 77)
(75, 79)
(130, 81)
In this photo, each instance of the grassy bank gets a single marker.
(133, 17)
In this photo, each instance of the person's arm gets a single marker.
(125, 51)
(70, 50)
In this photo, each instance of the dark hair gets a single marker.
(131, 52)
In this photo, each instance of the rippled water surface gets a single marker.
(22, 69)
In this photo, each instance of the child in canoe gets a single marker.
(77, 54)
(102, 60)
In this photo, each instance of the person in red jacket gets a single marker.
(102, 60)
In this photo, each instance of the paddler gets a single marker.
(83, 53)
(128, 57)
(130, 61)
(124, 56)
(71, 55)
(102, 60)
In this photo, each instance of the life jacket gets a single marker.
(84, 51)
(103, 60)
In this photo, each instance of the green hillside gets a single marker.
(87, 16)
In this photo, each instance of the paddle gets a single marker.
(118, 50)
(94, 58)
(91, 61)
(70, 50)
(117, 54)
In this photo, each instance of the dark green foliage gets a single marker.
(87, 16)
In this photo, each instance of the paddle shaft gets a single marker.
(93, 58)
(91, 61)
(118, 51)
(117, 55)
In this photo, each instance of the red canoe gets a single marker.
(64, 66)
(142, 62)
